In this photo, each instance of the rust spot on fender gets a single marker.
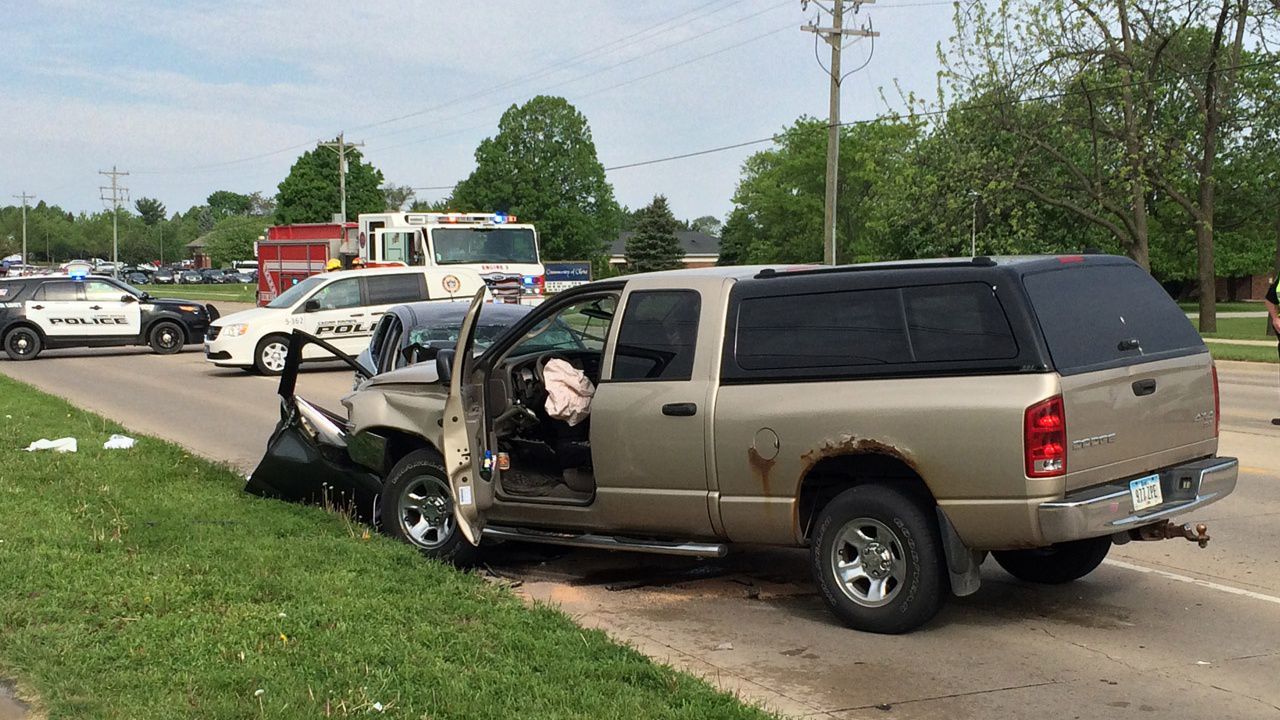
(761, 468)
(849, 445)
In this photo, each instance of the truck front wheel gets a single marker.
(877, 558)
(1055, 564)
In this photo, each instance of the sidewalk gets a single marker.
(1251, 343)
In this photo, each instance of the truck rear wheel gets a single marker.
(1055, 564)
(877, 557)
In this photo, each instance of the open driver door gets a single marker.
(472, 467)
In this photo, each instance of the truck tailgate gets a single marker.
(1134, 419)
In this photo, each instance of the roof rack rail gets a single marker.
(978, 261)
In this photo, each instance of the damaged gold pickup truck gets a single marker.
(901, 421)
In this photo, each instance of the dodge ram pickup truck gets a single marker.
(902, 421)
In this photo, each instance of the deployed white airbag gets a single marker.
(569, 392)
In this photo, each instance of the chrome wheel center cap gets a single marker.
(877, 560)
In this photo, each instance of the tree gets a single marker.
(232, 239)
(261, 205)
(397, 196)
(310, 192)
(1109, 108)
(654, 245)
(224, 203)
(542, 167)
(151, 210)
(708, 224)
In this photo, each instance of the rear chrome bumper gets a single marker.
(1108, 509)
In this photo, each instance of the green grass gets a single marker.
(226, 293)
(144, 584)
(1226, 306)
(1241, 329)
(1253, 353)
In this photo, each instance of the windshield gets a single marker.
(290, 297)
(453, 246)
(581, 326)
(446, 336)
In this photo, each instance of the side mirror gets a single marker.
(145, 296)
(311, 306)
(444, 365)
(416, 353)
(127, 298)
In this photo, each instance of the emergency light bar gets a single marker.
(491, 218)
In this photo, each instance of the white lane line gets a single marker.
(1194, 581)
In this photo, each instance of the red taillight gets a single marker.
(539, 284)
(1217, 402)
(1045, 438)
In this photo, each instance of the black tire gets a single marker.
(1055, 564)
(166, 338)
(22, 343)
(416, 484)
(269, 355)
(902, 551)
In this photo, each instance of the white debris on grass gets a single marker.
(62, 445)
(119, 442)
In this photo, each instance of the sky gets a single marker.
(193, 97)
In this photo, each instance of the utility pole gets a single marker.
(119, 194)
(341, 148)
(973, 226)
(24, 197)
(834, 36)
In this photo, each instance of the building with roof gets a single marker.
(700, 249)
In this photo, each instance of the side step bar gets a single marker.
(607, 542)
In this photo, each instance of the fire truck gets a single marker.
(502, 250)
(288, 254)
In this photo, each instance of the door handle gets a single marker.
(680, 409)
(356, 315)
(1144, 387)
(37, 307)
(95, 307)
(1128, 344)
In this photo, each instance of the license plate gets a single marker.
(1145, 492)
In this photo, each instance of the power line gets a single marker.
(922, 114)
(612, 45)
(605, 89)
(604, 70)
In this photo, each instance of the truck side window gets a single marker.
(658, 336)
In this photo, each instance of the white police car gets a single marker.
(340, 307)
(76, 310)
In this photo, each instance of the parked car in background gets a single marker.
(164, 276)
(213, 276)
(137, 278)
(190, 277)
(341, 307)
(62, 311)
(415, 332)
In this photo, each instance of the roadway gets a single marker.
(1160, 628)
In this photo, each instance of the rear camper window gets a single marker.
(1099, 316)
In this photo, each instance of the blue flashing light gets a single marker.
(499, 218)
(530, 280)
(78, 273)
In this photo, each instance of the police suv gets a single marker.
(341, 307)
(62, 311)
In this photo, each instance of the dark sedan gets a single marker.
(415, 331)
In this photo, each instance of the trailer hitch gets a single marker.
(1168, 531)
